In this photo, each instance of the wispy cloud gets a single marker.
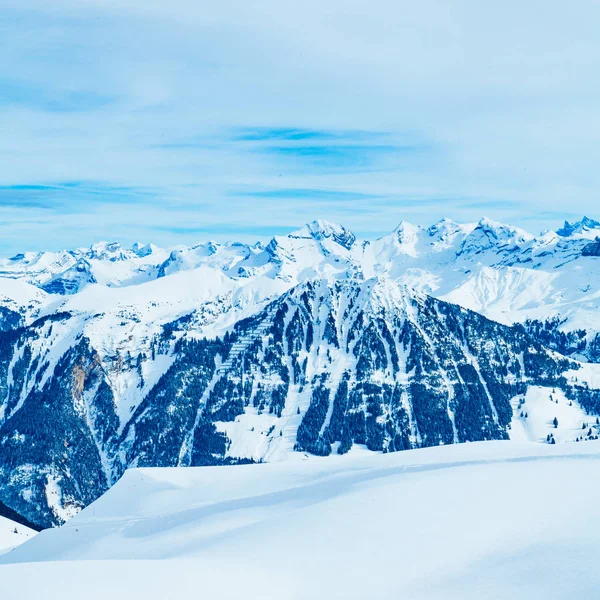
(347, 156)
(37, 97)
(314, 194)
(294, 134)
(318, 150)
(63, 196)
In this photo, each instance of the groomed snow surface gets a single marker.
(482, 520)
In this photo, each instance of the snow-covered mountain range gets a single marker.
(498, 270)
(114, 357)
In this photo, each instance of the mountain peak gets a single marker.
(142, 250)
(107, 251)
(582, 226)
(487, 223)
(321, 229)
(443, 226)
(406, 231)
(444, 221)
(498, 229)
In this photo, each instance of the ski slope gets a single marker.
(482, 520)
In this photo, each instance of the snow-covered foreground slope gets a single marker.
(483, 520)
(13, 534)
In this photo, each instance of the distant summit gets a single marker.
(321, 229)
(585, 225)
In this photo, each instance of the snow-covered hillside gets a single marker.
(13, 534)
(327, 365)
(115, 357)
(483, 520)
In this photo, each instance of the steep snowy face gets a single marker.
(23, 300)
(406, 237)
(324, 230)
(498, 270)
(109, 251)
(327, 365)
(425, 259)
(317, 249)
(445, 234)
(491, 240)
(72, 280)
(403, 241)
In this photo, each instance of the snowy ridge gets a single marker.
(557, 271)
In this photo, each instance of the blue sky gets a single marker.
(181, 121)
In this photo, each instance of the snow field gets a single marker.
(481, 520)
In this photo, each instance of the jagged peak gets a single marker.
(321, 229)
(489, 234)
(107, 251)
(585, 224)
(142, 250)
(406, 226)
